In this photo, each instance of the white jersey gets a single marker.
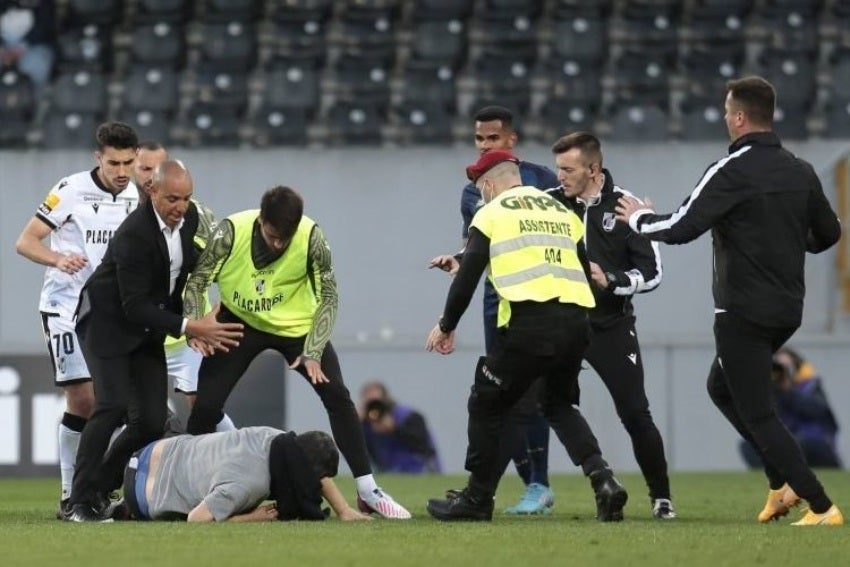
(83, 216)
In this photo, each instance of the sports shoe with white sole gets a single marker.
(779, 502)
(662, 508)
(831, 517)
(381, 503)
(537, 499)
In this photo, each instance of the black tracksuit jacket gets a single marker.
(765, 208)
(631, 262)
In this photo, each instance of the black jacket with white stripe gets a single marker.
(765, 208)
(631, 262)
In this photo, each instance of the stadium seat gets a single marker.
(792, 30)
(225, 11)
(222, 87)
(514, 37)
(587, 8)
(440, 42)
(151, 88)
(639, 123)
(792, 75)
(212, 125)
(300, 30)
(707, 69)
(230, 45)
(80, 92)
(99, 12)
(149, 124)
(703, 121)
(498, 76)
(68, 130)
(651, 26)
(790, 122)
(580, 37)
(424, 82)
(838, 120)
(293, 85)
(442, 10)
(86, 47)
(17, 96)
(15, 128)
(576, 80)
(839, 73)
(368, 29)
(160, 44)
(717, 22)
(560, 116)
(279, 127)
(364, 80)
(422, 123)
(354, 123)
(173, 11)
(642, 77)
(508, 9)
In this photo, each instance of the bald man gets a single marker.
(127, 307)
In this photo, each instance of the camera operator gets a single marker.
(397, 436)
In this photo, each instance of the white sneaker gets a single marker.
(381, 503)
(662, 508)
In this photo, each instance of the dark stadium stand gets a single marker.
(267, 72)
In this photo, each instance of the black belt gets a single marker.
(130, 488)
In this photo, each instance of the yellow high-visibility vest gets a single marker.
(280, 298)
(533, 250)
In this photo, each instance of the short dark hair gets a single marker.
(588, 144)
(151, 145)
(282, 208)
(116, 135)
(756, 97)
(321, 452)
(490, 113)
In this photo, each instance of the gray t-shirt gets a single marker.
(229, 471)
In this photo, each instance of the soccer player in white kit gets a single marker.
(183, 362)
(79, 215)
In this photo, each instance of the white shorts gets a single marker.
(69, 366)
(183, 366)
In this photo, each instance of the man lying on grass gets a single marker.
(228, 476)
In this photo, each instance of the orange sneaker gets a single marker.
(778, 503)
(831, 517)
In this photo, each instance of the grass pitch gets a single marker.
(716, 526)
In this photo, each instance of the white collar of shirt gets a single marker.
(175, 249)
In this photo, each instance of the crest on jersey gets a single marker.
(95, 206)
(609, 221)
(260, 286)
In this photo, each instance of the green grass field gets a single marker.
(716, 526)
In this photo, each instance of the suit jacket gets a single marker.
(125, 302)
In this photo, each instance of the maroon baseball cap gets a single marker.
(487, 161)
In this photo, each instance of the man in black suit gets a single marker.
(126, 308)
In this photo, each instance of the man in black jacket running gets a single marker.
(765, 208)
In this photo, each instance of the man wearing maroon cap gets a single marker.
(527, 435)
(534, 248)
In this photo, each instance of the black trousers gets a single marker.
(544, 341)
(614, 353)
(220, 373)
(134, 385)
(740, 386)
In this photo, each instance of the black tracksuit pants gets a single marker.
(220, 373)
(740, 385)
(544, 341)
(614, 353)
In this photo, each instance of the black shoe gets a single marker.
(64, 509)
(610, 496)
(461, 506)
(86, 513)
(106, 504)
